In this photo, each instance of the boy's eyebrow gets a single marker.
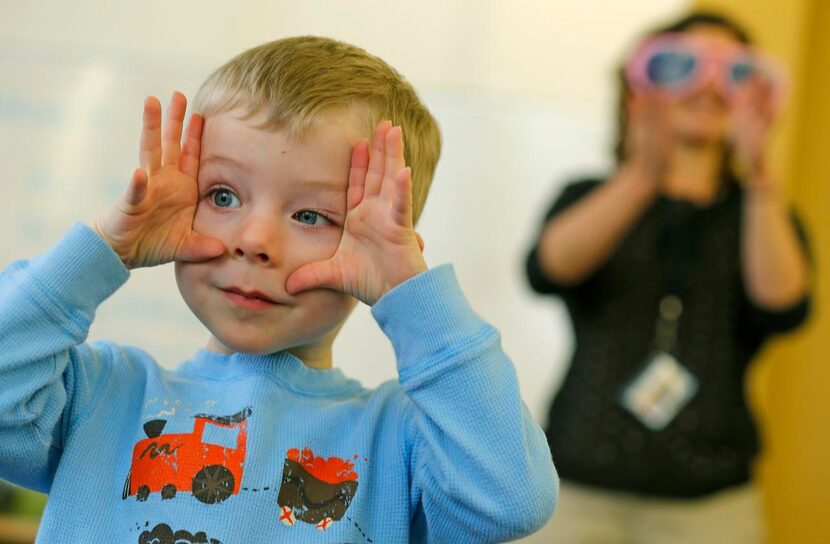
(324, 185)
(225, 160)
(336, 186)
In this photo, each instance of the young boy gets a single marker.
(279, 216)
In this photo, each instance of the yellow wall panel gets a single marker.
(791, 384)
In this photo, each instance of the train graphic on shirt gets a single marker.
(314, 489)
(172, 463)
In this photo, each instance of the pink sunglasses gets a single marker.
(679, 64)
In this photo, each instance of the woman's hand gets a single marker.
(649, 138)
(753, 113)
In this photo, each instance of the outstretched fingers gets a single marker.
(394, 162)
(150, 146)
(402, 196)
(172, 130)
(394, 152)
(189, 161)
(377, 157)
(357, 173)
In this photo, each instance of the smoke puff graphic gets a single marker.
(163, 534)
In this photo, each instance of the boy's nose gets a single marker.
(258, 243)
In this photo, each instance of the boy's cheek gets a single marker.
(184, 280)
(318, 247)
(207, 223)
(200, 223)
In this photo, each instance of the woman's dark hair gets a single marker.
(706, 18)
(684, 24)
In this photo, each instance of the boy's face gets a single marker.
(276, 203)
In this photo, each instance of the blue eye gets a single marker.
(224, 198)
(310, 217)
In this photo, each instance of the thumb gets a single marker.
(317, 274)
(197, 247)
(137, 188)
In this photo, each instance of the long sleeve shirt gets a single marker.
(236, 448)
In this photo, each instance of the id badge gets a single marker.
(660, 391)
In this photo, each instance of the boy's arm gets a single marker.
(47, 376)
(482, 467)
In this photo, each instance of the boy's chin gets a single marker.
(246, 346)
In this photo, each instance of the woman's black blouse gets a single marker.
(710, 444)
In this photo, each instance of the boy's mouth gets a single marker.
(248, 299)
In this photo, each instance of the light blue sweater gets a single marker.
(241, 449)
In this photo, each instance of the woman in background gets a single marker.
(675, 270)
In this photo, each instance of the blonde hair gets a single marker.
(298, 81)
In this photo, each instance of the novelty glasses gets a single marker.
(681, 65)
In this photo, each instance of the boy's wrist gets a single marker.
(124, 254)
(426, 315)
(96, 228)
(99, 230)
(416, 270)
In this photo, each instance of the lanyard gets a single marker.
(677, 250)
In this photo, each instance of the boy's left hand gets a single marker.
(379, 248)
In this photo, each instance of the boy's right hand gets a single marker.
(152, 222)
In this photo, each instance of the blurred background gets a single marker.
(524, 92)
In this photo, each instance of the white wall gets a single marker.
(523, 91)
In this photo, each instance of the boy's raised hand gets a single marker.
(379, 248)
(152, 222)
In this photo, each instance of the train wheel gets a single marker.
(142, 493)
(213, 484)
(168, 491)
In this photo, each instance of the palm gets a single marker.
(163, 220)
(375, 252)
(379, 248)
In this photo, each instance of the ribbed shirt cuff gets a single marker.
(81, 270)
(427, 317)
